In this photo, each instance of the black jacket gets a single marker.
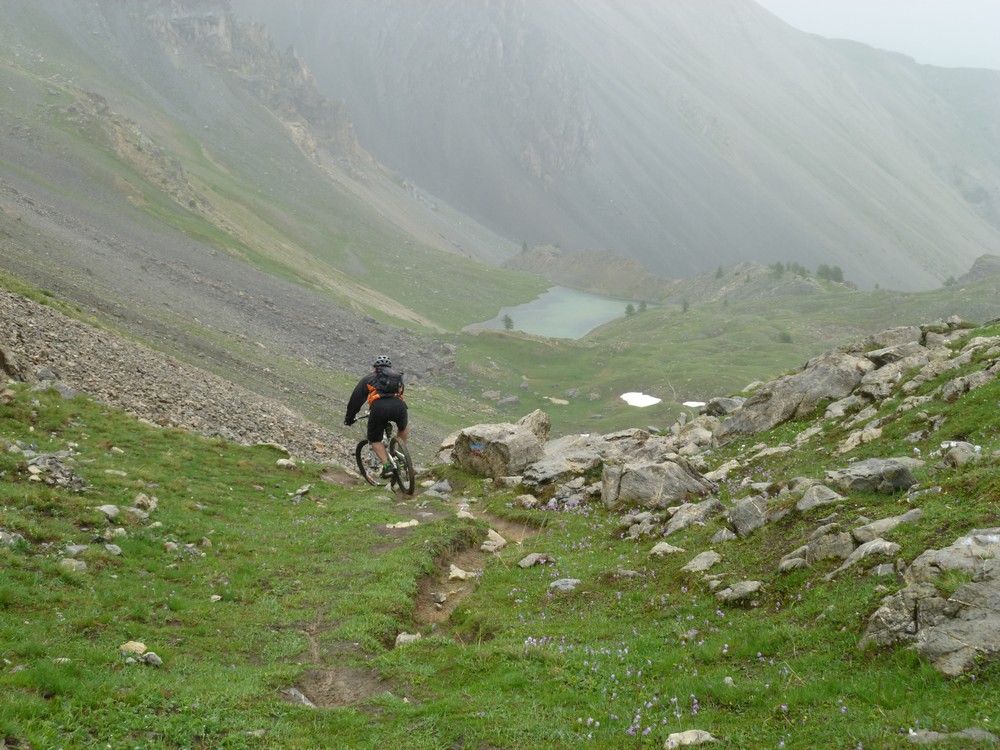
(358, 397)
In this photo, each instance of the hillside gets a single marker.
(807, 582)
(207, 201)
(209, 159)
(681, 135)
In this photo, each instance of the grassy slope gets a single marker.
(319, 584)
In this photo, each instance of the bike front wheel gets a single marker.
(368, 463)
(403, 475)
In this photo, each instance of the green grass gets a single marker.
(320, 587)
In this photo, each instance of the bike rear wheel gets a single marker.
(368, 463)
(403, 474)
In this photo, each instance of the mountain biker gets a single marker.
(383, 407)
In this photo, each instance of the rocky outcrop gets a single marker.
(897, 360)
(952, 631)
(830, 376)
(658, 480)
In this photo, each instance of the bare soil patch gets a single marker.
(341, 686)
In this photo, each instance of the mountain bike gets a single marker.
(370, 465)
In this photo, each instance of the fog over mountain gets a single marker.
(683, 135)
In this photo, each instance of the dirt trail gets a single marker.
(437, 597)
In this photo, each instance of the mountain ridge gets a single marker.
(681, 136)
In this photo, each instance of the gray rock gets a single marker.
(664, 548)
(496, 450)
(110, 511)
(748, 515)
(693, 514)
(535, 558)
(792, 563)
(538, 423)
(831, 546)
(833, 375)
(817, 496)
(9, 539)
(868, 549)
(565, 584)
(721, 406)
(702, 562)
(527, 501)
(723, 535)
(961, 453)
(886, 475)
(892, 337)
(976, 554)
(296, 696)
(963, 737)
(957, 633)
(688, 737)
(894, 353)
(842, 407)
(739, 592)
(882, 527)
(652, 485)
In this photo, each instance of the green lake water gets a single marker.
(560, 313)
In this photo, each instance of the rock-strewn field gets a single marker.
(40, 344)
(664, 484)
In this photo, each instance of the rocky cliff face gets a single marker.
(279, 80)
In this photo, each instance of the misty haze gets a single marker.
(697, 321)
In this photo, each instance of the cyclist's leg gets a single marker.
(400, 415)
(376, 429)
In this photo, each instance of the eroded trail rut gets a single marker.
(333, 684)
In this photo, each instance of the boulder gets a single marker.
(538, 422)
(702, 562)
(976, 554)
(896, 352)
(832, 376)
(693, 514)
(829, 546)
(817, 496)
(886, 475)
(739, 592)
(574, 455)
(899, 336)
(721, 406)
(748, 515)
(879, 528)
(496, 450)
(868, 549)
(652, 485)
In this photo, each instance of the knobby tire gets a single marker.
(403, 474)
(361, 454)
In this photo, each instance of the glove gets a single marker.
(348, 422)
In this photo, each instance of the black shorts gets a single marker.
(381, 412)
